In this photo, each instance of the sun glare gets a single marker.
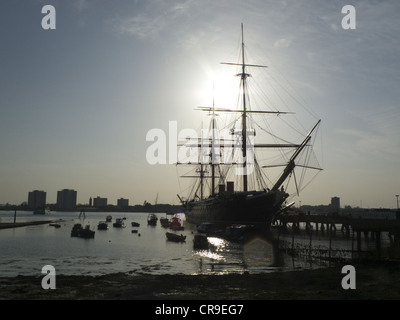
(220, 87)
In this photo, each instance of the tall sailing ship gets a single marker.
(228, 202)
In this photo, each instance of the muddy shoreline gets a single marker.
(376, 281)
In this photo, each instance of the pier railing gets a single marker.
(383, 233)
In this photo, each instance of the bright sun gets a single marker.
(221, 87)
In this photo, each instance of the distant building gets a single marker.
(90, 202)
(36, 199)
(66, 199)
(99, 202)
(123, 203)
(335, 204)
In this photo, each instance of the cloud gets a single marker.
(152, 20)
(283, 43)
(378, 136)
(81, 5)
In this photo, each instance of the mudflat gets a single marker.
(376, 281)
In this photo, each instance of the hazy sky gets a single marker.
(77, 102)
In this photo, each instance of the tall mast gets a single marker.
(212, 155)
(243, 76)
(244, 125)
(201, 182)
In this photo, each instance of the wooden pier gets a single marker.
(351, 227)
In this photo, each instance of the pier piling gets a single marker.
(349, 227)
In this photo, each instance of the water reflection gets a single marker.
(224, 256)
(25, 250)
(258, 253)
(218, 243)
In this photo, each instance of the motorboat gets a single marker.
(152, 219)
(80, 232)
(175, 237)
(176, 224)
(164, 222)
(102, 225)
(119, 223)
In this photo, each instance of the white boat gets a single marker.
(119, 223)
(41, 211)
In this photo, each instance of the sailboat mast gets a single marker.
(244, 112)
(201, 182)
(244, 124)
(213, 152)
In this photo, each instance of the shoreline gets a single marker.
(8, 225)
(374, 280)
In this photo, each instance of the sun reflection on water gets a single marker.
(209, 255)
(217, 243)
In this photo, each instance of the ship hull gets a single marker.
(252, 208)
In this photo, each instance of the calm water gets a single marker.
(25, 250)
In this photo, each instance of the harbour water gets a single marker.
(25, 250)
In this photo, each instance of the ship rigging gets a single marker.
(218, 153)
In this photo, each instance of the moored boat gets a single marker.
(176, 224)
(119, 223)
(200, 241)
(56, 225)
(152, 219)
(175, 237)
(239, 233)
(41, 211)
(80, 232)
(164, 222)
(102, 225)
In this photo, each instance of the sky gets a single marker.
(77, 101)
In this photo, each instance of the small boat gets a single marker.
(119, 223)
(80, 232)
(206, 228)
(239, 232)
(56, 225)
(42, 211)
(134, 231)
(152, 219)
(200, 241)
(108, 218)
(164, 222)
(135, 224)
(176, 224)
(102, 225)
(175, 237)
